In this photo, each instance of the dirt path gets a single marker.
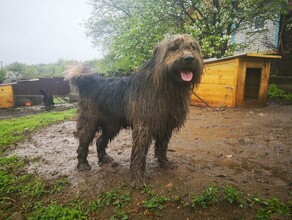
(248, 148)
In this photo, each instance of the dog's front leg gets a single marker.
(161, 146)
(141, 142)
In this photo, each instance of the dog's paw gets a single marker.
(83, 166)
(106, 159)
(137, 183)
(165, 164)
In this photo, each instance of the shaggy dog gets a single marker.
(152, 102)
(48, 100)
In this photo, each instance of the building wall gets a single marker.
(261, 40)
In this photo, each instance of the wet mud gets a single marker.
(249, 148)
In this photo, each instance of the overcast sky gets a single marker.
(43, 31)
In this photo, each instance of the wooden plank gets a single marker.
(263, 56)
(6, 96)
(240, 83)
(264, 82)
(219, 73)
(215, 94)
(242, 56)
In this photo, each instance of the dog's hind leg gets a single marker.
(141, 143)
(86, 130)
(161, 145)
(108, 133)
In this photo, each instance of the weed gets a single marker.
(59, 185)
(8, 181)
(116, 199)
(271, 207)
(232, 195)
(288, 96)
(275, 92)
(155, 203)
(120, 215)
(34, 189)
(208, 197)
(96, 205)
(147, 189)
(54, 211)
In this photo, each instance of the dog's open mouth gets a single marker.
(186, 75)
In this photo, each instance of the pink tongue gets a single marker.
(186, 76)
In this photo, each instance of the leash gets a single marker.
(202, 100)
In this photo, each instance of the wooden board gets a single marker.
(6, 96)
(218, 85)
(215, 95)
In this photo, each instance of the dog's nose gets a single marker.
(189, 58)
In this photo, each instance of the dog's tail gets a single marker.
(78, 75)
(76, 71)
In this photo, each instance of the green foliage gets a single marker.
(208, 197)
(34, 188)
(16, 185)
(16, 129)
(232, 195)
(271, 207)
(116, 199)
(155, 203)
(23, 71)
(59, 185)
(8, 182)
(2, 75)
(129, 29)
(147, 189)
(275, 92)
(96, 205)
(54, 211)
(120, 215)
(288, 96)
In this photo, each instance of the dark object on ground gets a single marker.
(153, 102)
(48, 100)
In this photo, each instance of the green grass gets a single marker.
(18, 189)
(16, 129)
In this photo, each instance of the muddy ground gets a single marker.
(249, 148)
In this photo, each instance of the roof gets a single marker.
(243, 55)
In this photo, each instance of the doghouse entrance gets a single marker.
(252, 83)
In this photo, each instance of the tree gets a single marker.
(2, 75)
(129, 29)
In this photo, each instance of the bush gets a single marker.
(275, 92)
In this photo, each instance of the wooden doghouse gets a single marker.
(234, 81)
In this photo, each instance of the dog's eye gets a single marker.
(194, 47)
(174, 48)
